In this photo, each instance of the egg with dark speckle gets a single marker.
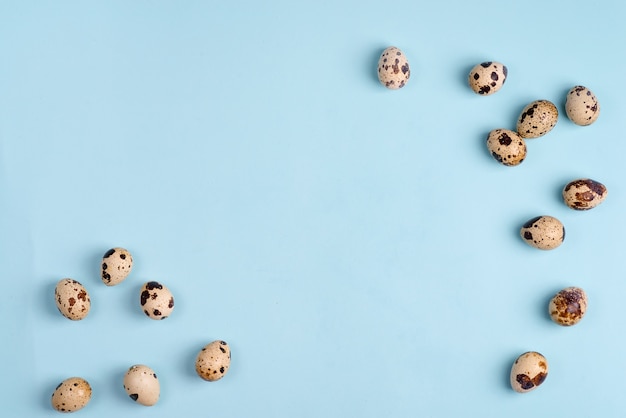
(584, 194)
(582, 106)
(529, 371)
(506, 147)
(213, 361)
(543, 232)
(142, 385)
(393, 68)
(72, 299)
(116, 266)
(537, 119)
(156, 300)
(568, 306)
(71, 395)
(487, 77)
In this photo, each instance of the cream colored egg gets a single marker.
(393, 68)
(568, 307)
(537, 119)
(72, 299)
(213, 361)
(584, 194)
(142, 385)
(156, 300)
(487, 78)
(506, 147)
(582, 106)
(71, 395)
(116, 266)
(543, 232)
(529, 371)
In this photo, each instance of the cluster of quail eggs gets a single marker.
(157, 302)
(538, 118)
(508, 147)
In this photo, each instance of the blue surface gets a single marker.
(357, 247)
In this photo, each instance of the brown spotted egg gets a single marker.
(393, 68)
(71, 395)
(213, 361)
(487, 77)
(582, 106)
(142, 385)
(506, 146)
(72, 299)
(584, 194)
(543, 232)
(537, 119)
(116, 265)
(568, 306)
(156, 300)
(528, 372)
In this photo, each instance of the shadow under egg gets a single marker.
(47, 390)
(188, 360)
(46, 296)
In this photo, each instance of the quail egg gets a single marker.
(72, 299)
(487, 77)
(543, 232)
(537, 119)
(71, 395)
(568, 306)
(213, 361)
(528, 372)
(116, 266)
(582, 106)
(393, 68)
(156, 300)
(584, 194)
(142, 385)
(506, 146)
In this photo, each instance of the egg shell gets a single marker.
(393, 68)
(537, 119)
(156, 300)
(568, 306)
(506, 146)
(71, 395)
(213, 361)
(72, 299)
(116, 266)
(487, 78)
(582, 106)
(543, 232)
(529, 371)
(584, 194)
(142, 385)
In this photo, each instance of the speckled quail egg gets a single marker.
(142, 385)
(584, 194)
(116, 266)
(543, 232)
(528, 372)
(537, 119)
(506, 146)
(582, 106)
(213, 361)
(156, 300)
(393, 68)
(71, 395)
(487, 77)
(568, 306)
(72, 299)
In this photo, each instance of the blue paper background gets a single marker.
(357, 247)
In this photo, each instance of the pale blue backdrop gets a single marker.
(357, 247)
